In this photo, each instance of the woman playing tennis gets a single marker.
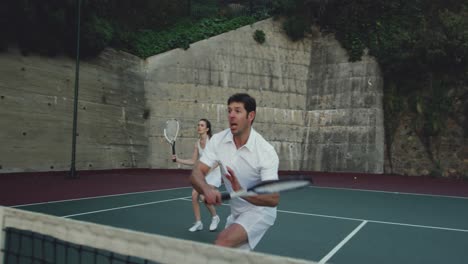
(213, 178)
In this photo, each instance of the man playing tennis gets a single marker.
(249, 159)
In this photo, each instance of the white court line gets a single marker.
(375, 221)
(94, 197)
(324, 259)
(378, 191)
(318, 187)
(342, 243)
(281, 211)
(122, 207)
(365, 220)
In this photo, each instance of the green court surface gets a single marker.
(326, 225)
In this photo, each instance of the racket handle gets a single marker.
(173, 152)
(225, 196)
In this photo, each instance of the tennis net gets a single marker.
(29, 237)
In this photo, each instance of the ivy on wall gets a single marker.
(421, 46)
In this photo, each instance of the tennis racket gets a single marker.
(170, 133)
(269, 187)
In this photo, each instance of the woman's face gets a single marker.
(201, 128)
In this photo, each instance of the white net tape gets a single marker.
(126, 242)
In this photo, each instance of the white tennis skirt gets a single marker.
(214, 177)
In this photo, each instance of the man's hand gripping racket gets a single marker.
(265, 187)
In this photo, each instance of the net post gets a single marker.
(2, 234)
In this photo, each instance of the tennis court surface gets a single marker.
(343, 218)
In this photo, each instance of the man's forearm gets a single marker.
(197, 179)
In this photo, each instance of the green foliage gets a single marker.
(394, 105)
(97, 34)
(149, 42)
(259, 36)
(300, 14)
(295, 28)
(141, 14)
(411, 39)
(437, 171)
(144, 27)
(414, 41)
(421, 46)
(292, 7)
(432, 108)
(204, 8)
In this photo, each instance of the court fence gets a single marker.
(229, 8)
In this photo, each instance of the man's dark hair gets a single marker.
(248, 101)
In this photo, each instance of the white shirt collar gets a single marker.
(250, 141)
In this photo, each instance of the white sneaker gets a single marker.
(201, 198)
(196, 227)
(214, 223)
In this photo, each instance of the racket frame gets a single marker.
(302, 182)
(172, 141)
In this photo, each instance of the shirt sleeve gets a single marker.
(270, 164)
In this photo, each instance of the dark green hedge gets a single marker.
(410, 38)
(143, 27)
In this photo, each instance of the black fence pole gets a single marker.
(73, 174)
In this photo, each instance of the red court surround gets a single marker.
(34, 187)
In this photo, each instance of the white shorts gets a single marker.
(255, 223)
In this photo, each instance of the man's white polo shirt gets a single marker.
(254, 162)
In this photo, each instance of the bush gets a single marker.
(149, 42)
(96, 34)
(295, 28)
(259, 36)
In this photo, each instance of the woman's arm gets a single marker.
(189, 162)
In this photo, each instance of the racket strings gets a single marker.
(171, 130)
